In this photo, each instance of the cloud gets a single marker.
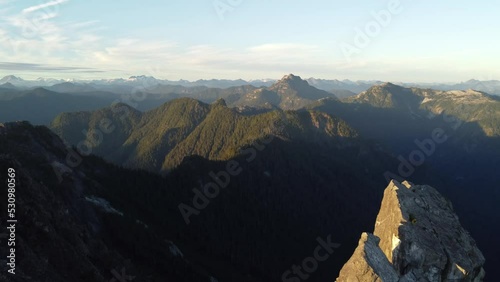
(29, 25)
(37, 35)
(43, 6)
(5, 2)
(10, 66)
(85, 24)
(282, 47)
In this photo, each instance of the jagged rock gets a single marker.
(220, 102)
(420, 237)
(368, 263)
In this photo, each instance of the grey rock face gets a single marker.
(368, 263)
(421, 239)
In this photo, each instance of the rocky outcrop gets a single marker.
(417, 237)
(368, 263)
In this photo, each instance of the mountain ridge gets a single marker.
(186, 126)
(354, 86)
(289, 93)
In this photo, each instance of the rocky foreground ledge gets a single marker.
(417, 237)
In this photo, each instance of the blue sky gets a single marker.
(410, 41)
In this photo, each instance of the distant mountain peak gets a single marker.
(388, 85)
(290, 92)
(384, 84)
(140, 77)
(291, 78)
(42, 91)
(119, 105)
(8, 85)
(388, 95)
(10, 78)
(220, 102)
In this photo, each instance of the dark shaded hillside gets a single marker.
(289, 193)
(66, 231)
(467, 161)
(292, 193)
(265, 220)
(41, 106)
(467, 106)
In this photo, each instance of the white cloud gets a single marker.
(283, 47)
(85, 24)
(43, 6)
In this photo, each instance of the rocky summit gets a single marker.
(417, 237)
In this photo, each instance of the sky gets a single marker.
(388, 40)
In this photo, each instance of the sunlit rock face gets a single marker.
(417, 237)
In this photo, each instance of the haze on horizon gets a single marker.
(410, 41)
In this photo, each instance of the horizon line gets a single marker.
(245, 80)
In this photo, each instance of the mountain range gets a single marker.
(312, 164)
(346, 87)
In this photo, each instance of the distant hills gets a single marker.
(466, 105)
(71, 217)
(40, 105)
(488, 86)
(345, 86)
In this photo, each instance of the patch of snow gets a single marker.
(467, 96)
(141, 223)
(427, 99)
(103, 205)
(395, 242)
(61, 168)
(174, 250)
